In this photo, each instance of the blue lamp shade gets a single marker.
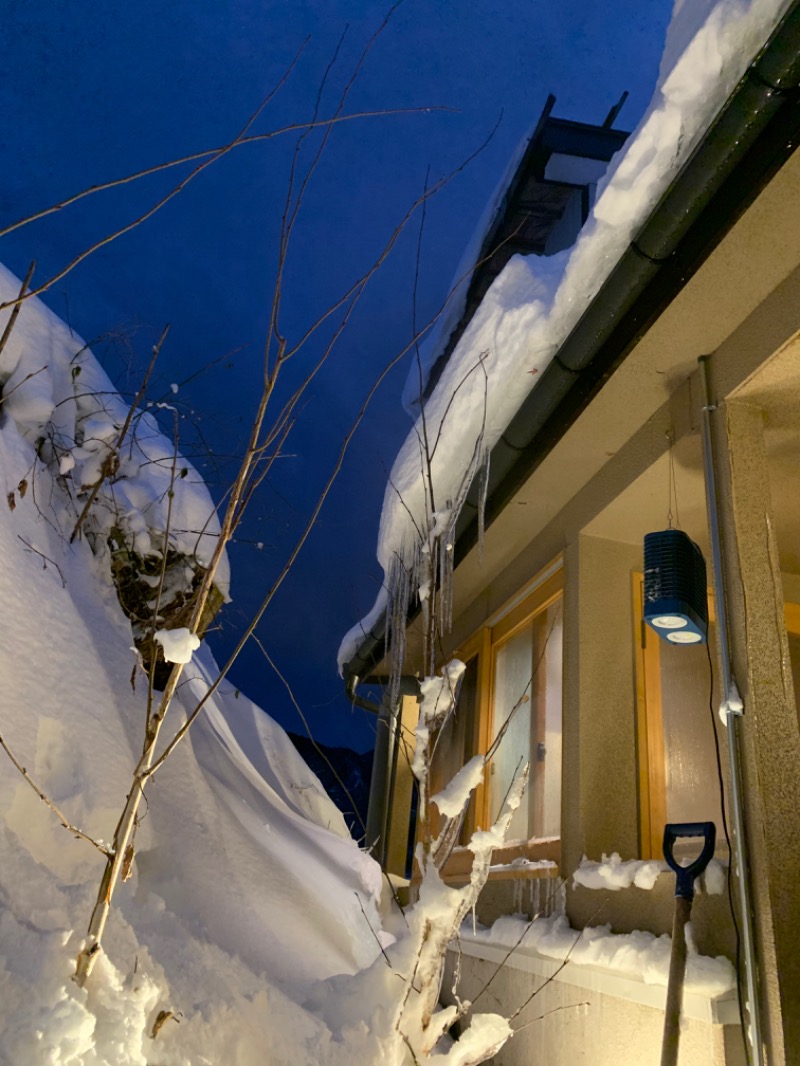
(675, 598)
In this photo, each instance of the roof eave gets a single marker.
(748, 142)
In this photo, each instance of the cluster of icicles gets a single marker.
(424, 572)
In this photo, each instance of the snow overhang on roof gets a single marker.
(738, 153)
(562, 159)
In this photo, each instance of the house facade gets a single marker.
(673, 403)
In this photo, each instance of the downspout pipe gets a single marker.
(378, 802)
(385, 760)
(350, 687)
(734, 713)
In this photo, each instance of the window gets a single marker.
(512, 686)
(457, 742)
(526, 704)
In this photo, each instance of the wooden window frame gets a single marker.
(535, 597)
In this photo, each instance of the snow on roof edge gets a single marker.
(535, 303)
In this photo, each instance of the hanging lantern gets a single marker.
(675, 597)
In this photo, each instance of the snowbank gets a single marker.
(246, 888)
(535, 302)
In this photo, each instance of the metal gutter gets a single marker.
(748, 142)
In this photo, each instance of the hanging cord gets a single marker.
(721, 779)
(672, 485)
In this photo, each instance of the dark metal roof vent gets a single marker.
(675, 597)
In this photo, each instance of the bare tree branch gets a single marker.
(113, 454)
(49, 803)
(12, 318)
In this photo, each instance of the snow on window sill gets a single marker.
(520, 860)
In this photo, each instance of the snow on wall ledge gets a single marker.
(535, 302)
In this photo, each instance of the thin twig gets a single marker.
(510, 952)
(12, 318)
(578, 934)
(19, 384)
(256, 138)
(555, 1010)
(377, 938)
(307, 728)
(105, 469)
(152, 210)
(45, 560)
(151, 673)
(49, 803)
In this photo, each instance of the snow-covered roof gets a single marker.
(527, 213)
(535, 304)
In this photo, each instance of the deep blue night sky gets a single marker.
(91, 92)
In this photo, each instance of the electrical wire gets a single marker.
(721, 779)
(672, 484)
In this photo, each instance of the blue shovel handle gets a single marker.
(686, 875)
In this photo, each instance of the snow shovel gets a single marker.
(684, 894)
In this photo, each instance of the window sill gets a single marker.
(524, 861)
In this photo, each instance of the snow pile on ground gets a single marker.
(639, 955)
(535, 302)
(246, 888)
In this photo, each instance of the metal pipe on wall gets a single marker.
(733, 714)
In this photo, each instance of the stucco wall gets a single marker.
(567, 1026)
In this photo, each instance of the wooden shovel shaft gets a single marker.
(677, 970)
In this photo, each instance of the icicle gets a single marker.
(483, 492)
(560, 899)
(446, 541)
(399, 583)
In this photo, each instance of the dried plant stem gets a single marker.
(49, 803)
(251, 471)
(294, 127)
(12, 318)
(106, 469)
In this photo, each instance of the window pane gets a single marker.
(456, 742)
(550, 766)
(527, 687)
(512, 698)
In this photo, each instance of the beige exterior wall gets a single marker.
(599, 744)
(769, 736)
(565, 1026)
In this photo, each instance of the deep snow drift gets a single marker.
(246, 887)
